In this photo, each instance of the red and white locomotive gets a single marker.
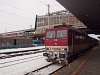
(63, 44)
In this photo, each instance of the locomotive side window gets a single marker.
(50, 34)
(61, 33)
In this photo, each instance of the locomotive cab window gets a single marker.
(61, 33)
(50, 34)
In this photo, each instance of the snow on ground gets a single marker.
(22, 64)
(48, 70)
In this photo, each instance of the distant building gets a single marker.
(57, 18)
(21, 33)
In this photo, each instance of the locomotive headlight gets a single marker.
(64, 49)
(48, 48)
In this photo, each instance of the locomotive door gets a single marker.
(15, 42)
(71, 41)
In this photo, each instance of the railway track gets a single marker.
(46, 70)
(22, 64)
(4, 56)
(18, 61)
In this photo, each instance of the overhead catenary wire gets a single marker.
(16, 19)
(21, 9)
(16, 15)
(10, 23)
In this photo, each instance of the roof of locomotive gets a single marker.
(63, 27)
(56, 28)
(67, 28)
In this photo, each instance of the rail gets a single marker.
(18, 61)
(22, 52)
(8, 51)
(46, 70)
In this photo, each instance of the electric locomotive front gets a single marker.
(56, 44)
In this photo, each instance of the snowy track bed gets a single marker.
(21, 65)
(20, 52)
(46, 70)
(6, 51)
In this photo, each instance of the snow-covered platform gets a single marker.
(20, 49)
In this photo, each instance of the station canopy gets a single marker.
(87, 11)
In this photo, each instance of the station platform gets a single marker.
(87, 64)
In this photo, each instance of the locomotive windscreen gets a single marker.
(50, 34)
(61, 33)
(56, 34)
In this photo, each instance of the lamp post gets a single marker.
(48, 16)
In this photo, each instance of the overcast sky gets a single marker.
(20, 14)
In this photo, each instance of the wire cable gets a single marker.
(25, 11)
(2, 17)
(16, 15)
(10, 24)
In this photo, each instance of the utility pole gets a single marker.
(48, 9)
(48, 16)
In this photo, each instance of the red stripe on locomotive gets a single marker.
(56, 42)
